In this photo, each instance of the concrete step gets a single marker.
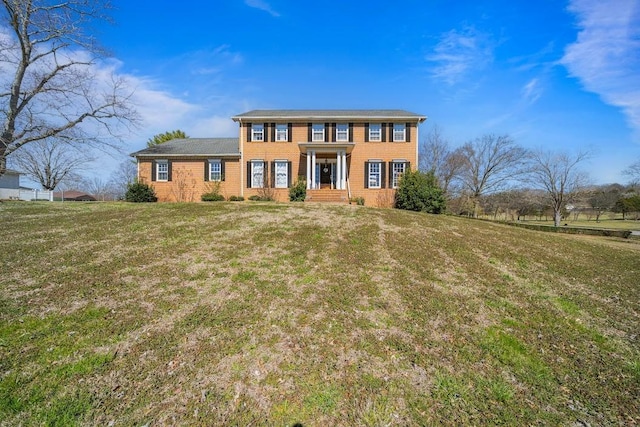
(327, 196)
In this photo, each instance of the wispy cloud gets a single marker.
(458, 53)
(606, 56)
(531, 91)
(262, 5)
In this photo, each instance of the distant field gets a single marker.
(613, 224)
(276, 314)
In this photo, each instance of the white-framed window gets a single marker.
(257, 174)
(282, 132)
(257, 132)
(282, 173)
(399, 131)
(342, 132)
(375, 132)
(317, 132)
(375, 178)
(397, 169)
(162, 170)
(215, 170)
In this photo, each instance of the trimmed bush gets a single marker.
(258, 198)
(138, 192)
(212, 197)
(236, 199)
(357, 200)
(420, 192)
(298, 193)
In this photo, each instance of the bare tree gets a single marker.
(436, 156)
(50, 162)
(124, 175)
(49, 86)
(490, 162)
(633, 172)
(558, 174)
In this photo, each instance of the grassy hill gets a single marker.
(276, 314)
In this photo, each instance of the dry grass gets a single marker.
(261, 313)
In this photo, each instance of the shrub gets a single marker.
(357, 200)
(259, 198)
(212, 197)
(138, 192)
(236, 199)
(298, 193)
(420, 192)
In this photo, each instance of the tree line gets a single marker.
(492, 174)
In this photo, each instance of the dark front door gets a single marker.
(325, 174)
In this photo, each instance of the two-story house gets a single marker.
(340, 154)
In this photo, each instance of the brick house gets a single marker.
(341, 154)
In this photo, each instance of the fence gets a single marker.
(28, 195)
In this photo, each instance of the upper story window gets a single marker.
(257, 132)
(375, 132)
(342, 132)
(282, 132)
(399, 132)
(162, 170)
(317, 132)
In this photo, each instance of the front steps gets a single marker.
(327, 195)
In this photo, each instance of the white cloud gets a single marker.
(606, 56)
(531, 91)
(213, 126)
(460, 52)
(262, 5)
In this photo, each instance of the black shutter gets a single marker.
(273, 131)
(366, 132)
(290, 132)
(206, 170)
(366, 174)
(334, 129)
(407, 167)
(326, 132)
(169, 170)
(265, 173)
(407, 132)
(248, 131)
(390, 174)
(383, 168)
(265, 132)
(383, 132)
(390, 132)
(222, 170)
(309, 132)
(289, 177)
(248, 174)
(273, 175)
(153, 170)
(350, 135)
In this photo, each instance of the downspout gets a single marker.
(241, 147)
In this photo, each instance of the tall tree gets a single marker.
(559, 175)
(490, 162)
(437, 157)
(51, 161)
(49, 85)
(633, 172)
(167, 136)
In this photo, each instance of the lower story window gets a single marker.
(398, 168)
(257, 174)
(374, 175)
(215, 171)
(282, 174)
(162, 171)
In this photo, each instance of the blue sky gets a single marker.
(562, 75)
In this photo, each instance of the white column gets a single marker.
(344, 170)
(339, 170)
(308, 170)
(313, 170)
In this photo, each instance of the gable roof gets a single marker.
(329, 115)
(214, 147)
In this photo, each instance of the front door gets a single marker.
(326, 175)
